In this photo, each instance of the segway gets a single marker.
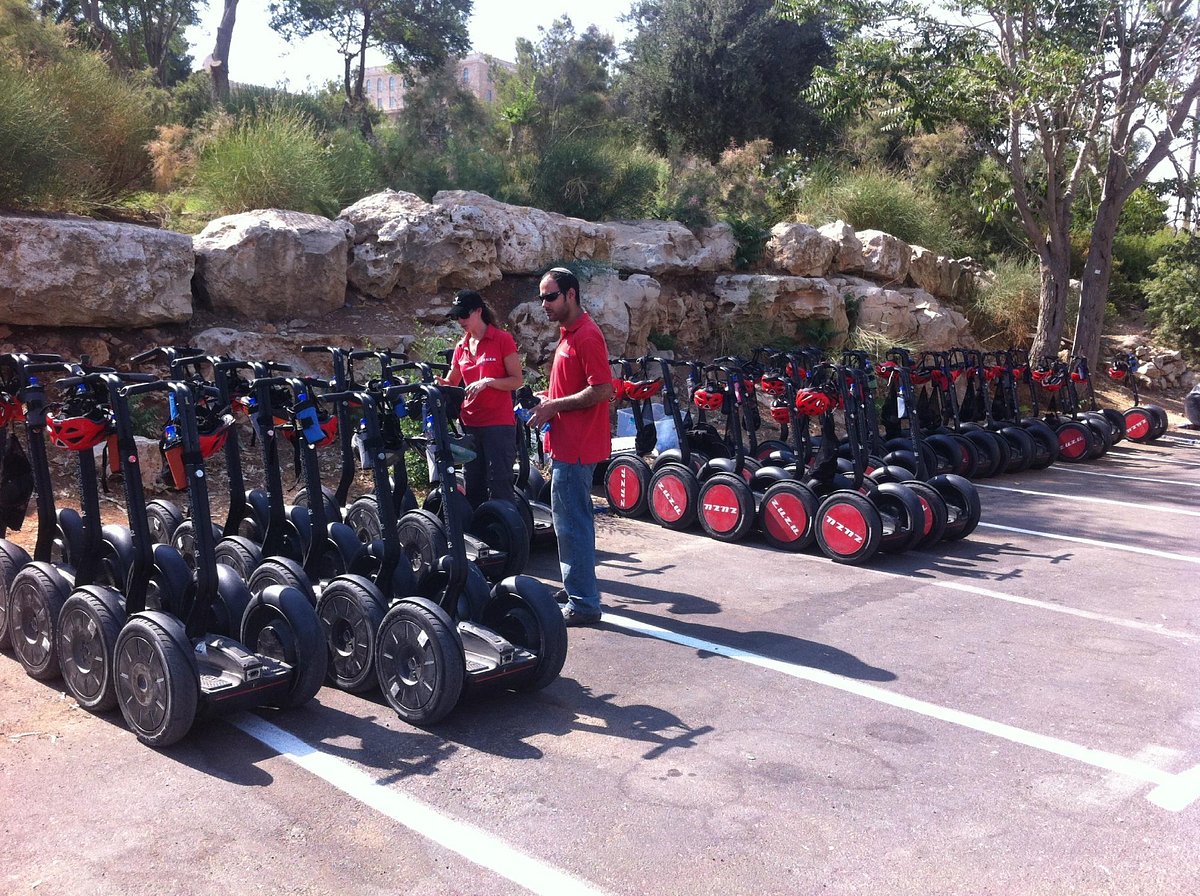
(1143, 422)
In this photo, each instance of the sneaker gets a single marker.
(573, 617)
(561, 596)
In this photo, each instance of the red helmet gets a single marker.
(79, 433)
(1118, 371)
(920, 375)
(993, 372)
(640, 390)
(11, 411)
(780, 412)
(812, 402)
(711, 397)
(772, 383)
(620, 388)
(329, 426)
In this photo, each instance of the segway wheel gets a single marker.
(240, 554)
(499, 525)
(787, 515)
(88, 628)
(157, 686)
(849, 529)
(1160, 415)
(233, 597)
(1021, 448)
(184, 540)
(363, 517)
(957, 454)
(171, 581)
(725, 507)
(118, 557)
(1045, 443)
(902, 516)
(281, 571)
(963, 508)
(420, 661)
(523, 611)
(1117, 421)
(13, 558)
(1099, 424)
(280, 623)
(333, 513)
(1140, 425)
(35, 600)
(674, 494)
(1076, 441)
(934, 512)
(68, 537)
(526, 510)
(767, 447)
(164, 518)
(351, 609)
(423, 542)
(993, 452)
(627, 485)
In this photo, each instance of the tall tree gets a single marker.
(219, 65)
(416, 35)
(702, 74)
(1056, 92)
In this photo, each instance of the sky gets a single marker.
(259, 56)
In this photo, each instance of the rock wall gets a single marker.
(405, 258)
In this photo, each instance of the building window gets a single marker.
(368, 86)
(391, 102)
(379, 86)
(391, 85)
(466, 76)
(489, 96)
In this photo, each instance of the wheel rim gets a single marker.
(786, 518)
(31, 625)
(412, 665)
(670, 498)
(85, 661)
(143, 684)
(720, 508)
(844, 529)
(350, 636)
(624, 487)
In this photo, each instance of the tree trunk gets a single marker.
(1096, 276)
(220, 55)
(1055, 269)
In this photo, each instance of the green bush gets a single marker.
(32, 139)
(354, 167)
(595, 179)
(874, 199)
(1005, 312)
(1174, 292)
(270, 159)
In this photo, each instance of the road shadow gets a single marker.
(967, 559)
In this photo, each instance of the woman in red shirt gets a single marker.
(486, 362)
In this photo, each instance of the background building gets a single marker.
(384, 89)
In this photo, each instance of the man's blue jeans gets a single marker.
(575, 528)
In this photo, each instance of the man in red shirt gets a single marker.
(576, 407)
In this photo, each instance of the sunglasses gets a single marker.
(550, 296)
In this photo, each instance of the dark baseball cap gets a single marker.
(464, 303)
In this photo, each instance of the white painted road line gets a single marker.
(1152, 508)
(1039, 604)
(1173, 792)
(1063, 468)
(465, 839)
(1097, 543)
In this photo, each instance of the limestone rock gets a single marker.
(272, 264)
(906, 317)
(848, 258)
(667, 247)
(800, 249)
(83, 273)
(938, 275)
(885, 257)
(784, 302)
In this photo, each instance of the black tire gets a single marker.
(164, 518)
(956, 453)
(674, 496)
(280, 622)
(787, 515)
(499, 525)
(282, 571)
(627, 485)
(1140, 425)
(240, 554)
(963, 508)
(88, 627)
(935, 514)
(118, 558)
(993, 452)
(363, 517)
(157, 683)
(767, 447)
(423, 542)
(1021, 448)
(35, 600)
(350, 611)
(1045, 442)
(1159, 415)
(725, 507)
(233, 596)
(333, 513)
(526, 511)
(849, 529)
(1100, 425)
(1077, 442)
(68, 538)
(184, 540)
(172, 582)
(13, 558)
(901, 512)
(1117, 421)
(420, 661)
(523, 611)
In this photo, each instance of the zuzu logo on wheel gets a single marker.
(720, 508)
(667, 495)
(844, 529)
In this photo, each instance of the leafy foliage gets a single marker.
(1174, 292)
(703, 74)
(1002, 313)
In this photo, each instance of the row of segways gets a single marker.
(810, 485)
(253, 612)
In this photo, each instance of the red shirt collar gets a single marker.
(579, 321)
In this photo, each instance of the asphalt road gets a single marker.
(1015, 713)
